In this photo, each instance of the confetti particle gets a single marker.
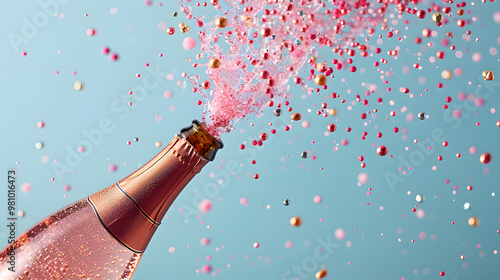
(78, 85)
(474, 222)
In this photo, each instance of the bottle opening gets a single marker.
(205, 144)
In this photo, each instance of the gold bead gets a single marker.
(474, 222)
(446, 74)
(437, 17)
(296, 117)
(321, 274)
(488, 75)
(221, 22)
(296, 221)
(214, 63)
(320, 80)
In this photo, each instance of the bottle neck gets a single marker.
(132, 209)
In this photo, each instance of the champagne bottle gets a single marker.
(104, 235)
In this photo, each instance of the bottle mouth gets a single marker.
(203, 142)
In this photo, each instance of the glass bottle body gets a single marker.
(69, 244)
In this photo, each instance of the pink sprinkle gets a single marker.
(26, 187)
(112, 168)
(114, 57)
(40, 124)
(205, 206)
(288, 244)
(105, 50)
(339, 233)
(256, 245)
(422, 235)
(206, 268)
(305, 124)
(420, 214)
(90, 32)
(204, 241)
(171, 249)
(81, 149)
(363, 178)
(189, 43)
(244, 201)
(317, 199)
(66, 188)
(472, 150)
(167, 94)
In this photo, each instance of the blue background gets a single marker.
(378, 243)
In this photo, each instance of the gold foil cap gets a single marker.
(205, 144)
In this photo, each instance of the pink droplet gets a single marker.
(114, 57)
(205, 206)
(105, 50)
(26, 187)
(167, 94)
(339, 233)
(244, 201)
(189, 43)
(206, 268)
(204, 241)
(112, 168)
